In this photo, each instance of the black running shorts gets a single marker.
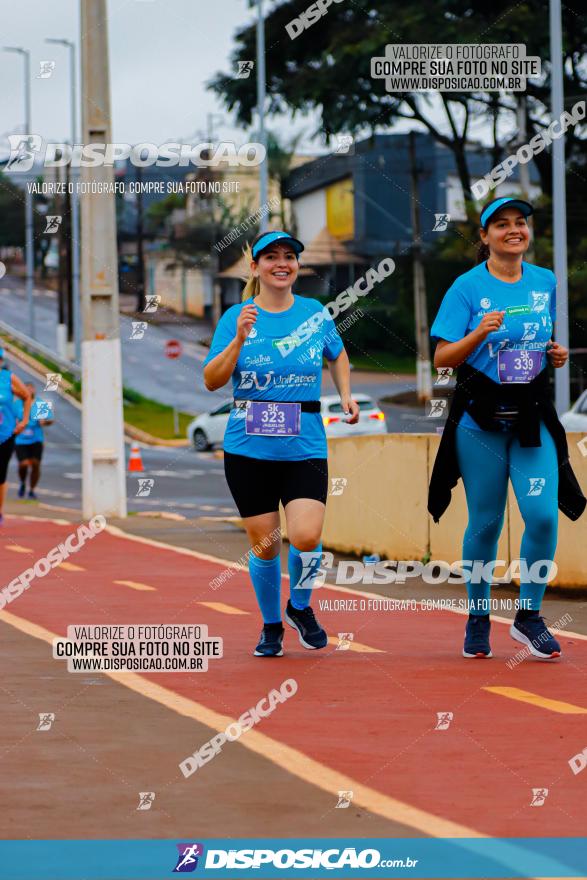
(5, 453)
(24, 451)
(258, 485)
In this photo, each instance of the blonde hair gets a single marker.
(253, 285)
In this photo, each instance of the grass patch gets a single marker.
(76, 385)
(141, 412)
(152, 417)
(383, 362)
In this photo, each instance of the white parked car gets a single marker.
(207, 430)
(576, 418)
(371, 419)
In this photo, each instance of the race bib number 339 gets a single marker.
(518, 365)
(270, 419)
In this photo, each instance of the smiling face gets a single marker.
(277, 267)
(507, 233)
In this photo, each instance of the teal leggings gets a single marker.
(487, 460)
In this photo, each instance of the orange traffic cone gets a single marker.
(135, 462)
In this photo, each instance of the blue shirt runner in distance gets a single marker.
(263, 373)
(529, 304)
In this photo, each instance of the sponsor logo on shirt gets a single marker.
(250, 379)
(258, 360)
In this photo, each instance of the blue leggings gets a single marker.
(486, 460)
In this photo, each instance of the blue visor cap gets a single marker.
(507, 202)
(271, 237)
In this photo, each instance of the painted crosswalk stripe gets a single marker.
(135, 585)
(522, 696)
(70, 566)
(359, 647)
(222, 608)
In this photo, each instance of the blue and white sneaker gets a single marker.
(477, 637)
(309, 630)
(21, 490)
(271, 641)
(533, 632)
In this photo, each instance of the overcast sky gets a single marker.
(162, 53)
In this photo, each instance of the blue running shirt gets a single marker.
(263, 373)
(477, 292)
(33, 433)
(7, 418)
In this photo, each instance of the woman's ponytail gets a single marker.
(253, 286)
(482, 252)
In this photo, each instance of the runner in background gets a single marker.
(29, 443)
(496, 325)
(10, 386)
(272, 346)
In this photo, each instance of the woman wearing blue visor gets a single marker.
(496, 325)
(272, 345)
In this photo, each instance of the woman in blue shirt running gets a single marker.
(10, 427)
(272, 345)
(498, 318)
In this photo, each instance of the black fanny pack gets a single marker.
(307, 406)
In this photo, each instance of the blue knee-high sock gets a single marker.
(303, 566)
(266, 577)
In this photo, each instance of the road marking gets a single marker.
(18, 548)
(70, 566)
(223, 608)
(283, 756)
(536, 700)
(356, 646)
(135, 585)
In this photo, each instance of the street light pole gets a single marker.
(559, 207)
(28, 196)
(263, 169)
(103, 477)
(75, 230)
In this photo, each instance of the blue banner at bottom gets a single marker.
(294, 857)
